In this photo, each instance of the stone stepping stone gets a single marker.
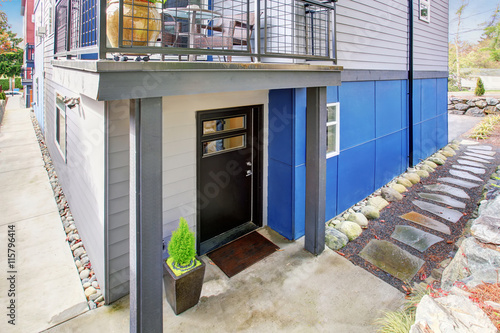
(471, 163)
(481, 152)
(426, 222)
(480, 147)
(466, 175)
(475, 159)
(479, 156)
(443, 199)
(446, 213)
(477, 171)
(459, 182)
(457, 192)
(416, 238)
(392, 259)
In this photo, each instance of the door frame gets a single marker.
(258, 146)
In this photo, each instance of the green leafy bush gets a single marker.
(5, 84)
(2, 96)
(17, 83)
(479, 87)
(181, 247)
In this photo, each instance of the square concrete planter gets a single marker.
(183, 292)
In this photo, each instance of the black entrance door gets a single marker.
(228, 175)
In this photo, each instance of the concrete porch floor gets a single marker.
(289, 291)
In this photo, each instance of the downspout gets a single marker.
(410, 82)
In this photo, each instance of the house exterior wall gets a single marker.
(38, 81)
(373, 144)
(179, 172)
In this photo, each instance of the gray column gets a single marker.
(146, 272)
(315, 170)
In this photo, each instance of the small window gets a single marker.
(223, 125)
(424, 12)
(332, 129)
(61, 125)
(216, 146)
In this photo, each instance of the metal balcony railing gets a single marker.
(202, 30)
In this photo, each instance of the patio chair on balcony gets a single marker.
(227, 33)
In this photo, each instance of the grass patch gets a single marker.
(484, 129)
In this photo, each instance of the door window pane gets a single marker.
(216, 146)
(332, 112)
(331, 139)
(222, 125)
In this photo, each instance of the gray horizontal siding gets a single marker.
(372, 34)
(431, 39)
(118, 199)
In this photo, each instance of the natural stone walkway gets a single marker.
(414, 233)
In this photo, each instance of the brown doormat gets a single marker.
(242, 253)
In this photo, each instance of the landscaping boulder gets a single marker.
(398, 187)
(431, 164)
(436, 160)
(451, 314)
(475, 112)
(490, 109)
(350, 229)
(440, 156)
(377, 202)
(461, 107)
(473, 264)
(391, 194)
(359, 219)
(490, 207)
(405, 182)
(412, 177)
(492, 101)
(370, 212)
(422, 173)
(486, 229)
(427, 168)
(481, 103)
(335, 239)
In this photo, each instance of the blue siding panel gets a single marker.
(442, 130)
(357, 116)
(429, 137)
(300, 202)
(356, 174)
(417, 143)
(331, 187)
(417, 105)
(429, 99)
(299, 122)
(280, 197)
(389, 158)
(281, 125)
(388, 107)
(332, 94)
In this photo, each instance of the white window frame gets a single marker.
(424, 4)
(334, 123)
(57, 126)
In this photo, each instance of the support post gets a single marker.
(315, 170)
(146, 271)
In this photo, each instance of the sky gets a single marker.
(13, 10)
(476, 13)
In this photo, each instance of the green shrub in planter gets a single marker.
(181, 249)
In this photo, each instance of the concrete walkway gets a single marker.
(46, 289)
(289, 291)
(459, 124)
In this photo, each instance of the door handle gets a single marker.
(249, 173)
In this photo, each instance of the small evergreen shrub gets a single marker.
(479, 87)
(181, 247)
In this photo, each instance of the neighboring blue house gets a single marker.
(332, 96)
